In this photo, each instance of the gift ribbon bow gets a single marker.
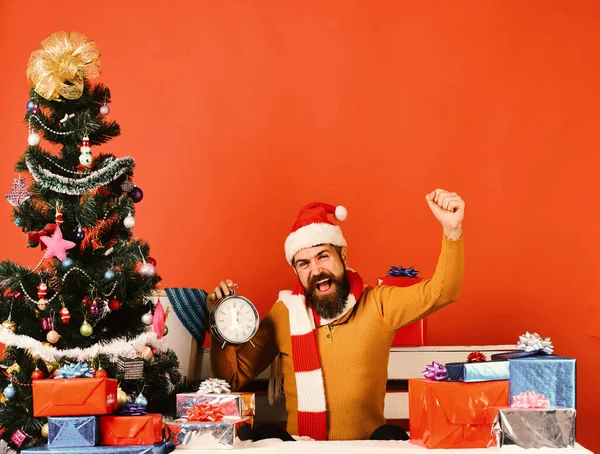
(214, 386)
(61, 64)
(34, 237)
(529, 399)
(535, 343)
(204, 412)
(398, 271)
(76, 370)
(476, 357)
(435, 371)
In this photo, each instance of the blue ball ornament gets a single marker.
(30, 104)
(79, 235)
(68, 263)
(141, 400)
(110, 275)
(10, 392)
(18, 221)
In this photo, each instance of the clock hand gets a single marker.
(234, 322)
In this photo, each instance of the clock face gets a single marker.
(236, 320)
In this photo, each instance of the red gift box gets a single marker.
(130, 430)
(74, 396)
(454, 414)
(413, 334)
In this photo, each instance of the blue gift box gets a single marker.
(160, 448)
(72, 431)
(550, 375)
(477, 371)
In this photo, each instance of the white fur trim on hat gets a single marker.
(312, 235)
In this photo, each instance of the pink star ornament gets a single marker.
(57, 247)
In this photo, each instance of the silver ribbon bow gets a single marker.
(214, 386)
(533, 343)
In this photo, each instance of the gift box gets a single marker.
(72, 431)
(160, 448)
(535, 427)
(477, 371)
(454, 414)
(414, 334)
(229, 433)
(550, 375)
(230, 404)
(74, 396)
(130, 368)
(130, 430)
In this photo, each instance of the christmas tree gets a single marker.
(86, 305)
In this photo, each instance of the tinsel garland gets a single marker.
(113, 349)
(77, 186)
(5, 449)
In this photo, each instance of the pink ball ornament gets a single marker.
(104, 110)
(147, 270)
(146, 353)
(52, 337)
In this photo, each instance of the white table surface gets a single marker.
(365, 447)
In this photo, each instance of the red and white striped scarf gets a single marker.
(312, 407)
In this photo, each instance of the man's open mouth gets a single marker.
(324, 285)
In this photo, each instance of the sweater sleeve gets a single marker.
(400, 306)
(240, 365)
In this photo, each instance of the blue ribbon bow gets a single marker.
(398, 271)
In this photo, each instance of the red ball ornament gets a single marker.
(37, 374)
(55, 373)
(65, 315)
(101, 373)
(151, 261)
(114, 304)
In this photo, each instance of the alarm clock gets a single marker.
(233, 319)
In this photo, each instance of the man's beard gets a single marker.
(329, 306)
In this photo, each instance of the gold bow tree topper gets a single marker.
(61, 64)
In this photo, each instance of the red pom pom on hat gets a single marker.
(312, 227)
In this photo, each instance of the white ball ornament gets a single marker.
(33, 140)
(147, 318)
(129, 221)
(147, 270)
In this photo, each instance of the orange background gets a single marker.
(240, 112)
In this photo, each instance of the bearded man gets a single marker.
(332, 333)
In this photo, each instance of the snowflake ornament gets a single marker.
(18, 193)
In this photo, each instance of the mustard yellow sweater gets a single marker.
(354, 350)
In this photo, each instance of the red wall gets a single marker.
(240, 112)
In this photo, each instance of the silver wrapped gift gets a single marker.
(536, 427)
(230, 404)
(229, 433)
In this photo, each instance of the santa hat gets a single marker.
(312, 228)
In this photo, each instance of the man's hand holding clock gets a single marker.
(233, 318)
